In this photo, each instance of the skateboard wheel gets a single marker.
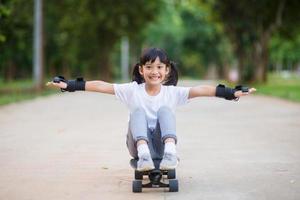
(173, 185)
(138, 175)
(171, 174)
(137, 186)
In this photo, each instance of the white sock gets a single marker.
(170, 147)
(142, 150)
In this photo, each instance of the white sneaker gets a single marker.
(145, 163)
(169, 161)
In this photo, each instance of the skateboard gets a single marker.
(157, 178)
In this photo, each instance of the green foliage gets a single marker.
(166, 31)
(79, 34)
(186, 32)
(201, 37)
(4, 12)
(284, 51)
(85, 32)
(250, 25)
(15, 38)
(82, 36)
(16, 91)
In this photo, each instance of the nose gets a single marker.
(154, 71)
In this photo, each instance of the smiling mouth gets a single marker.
(154, 77)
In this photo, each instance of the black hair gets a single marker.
(151, 54)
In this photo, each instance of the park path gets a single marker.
(72, 146)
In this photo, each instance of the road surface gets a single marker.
(72, 146)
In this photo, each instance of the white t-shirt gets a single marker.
(135, 96)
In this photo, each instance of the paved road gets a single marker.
(72, 146)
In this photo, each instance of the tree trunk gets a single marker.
(66, 70)
(52, 70)
(241, 63)
(105, 68)
(10, 71)
(100, 68)
(261, 58)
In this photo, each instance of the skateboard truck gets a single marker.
(156, 176)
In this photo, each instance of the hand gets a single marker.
(61, 84)
(239, 93)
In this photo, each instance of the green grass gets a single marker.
(16, 97)
(14, 85)
(20, 90)
(282, 86)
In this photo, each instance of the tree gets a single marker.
(80, 35)
(250, 25)
(85, 32)
(16, 39)
(190, 37)
(203, 39)
(284, 52)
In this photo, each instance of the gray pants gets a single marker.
(138, 130)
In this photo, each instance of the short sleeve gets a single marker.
(124, 91)
(182, 95)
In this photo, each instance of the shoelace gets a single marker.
(145, 158)
(168, 156)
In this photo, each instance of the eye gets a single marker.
(148, 67)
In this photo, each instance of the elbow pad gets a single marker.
(72, 85)
(228, 93)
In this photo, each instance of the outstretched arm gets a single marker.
(210, 91)
(99, 86)
(202, 91)
(93, 86)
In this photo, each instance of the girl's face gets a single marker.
(154, 73)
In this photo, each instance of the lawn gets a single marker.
(20, 90)
(284, 85)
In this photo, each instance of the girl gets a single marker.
(152, 97)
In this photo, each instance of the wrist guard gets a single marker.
(72, 85)
(228, 93)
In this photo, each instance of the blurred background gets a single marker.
(255, 42)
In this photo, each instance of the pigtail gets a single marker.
(136, 76)
(172, 78)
